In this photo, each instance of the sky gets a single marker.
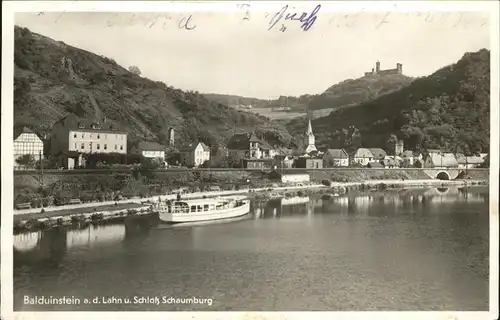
(225, 53)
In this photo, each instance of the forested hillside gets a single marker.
(449, 109)
(52, 79)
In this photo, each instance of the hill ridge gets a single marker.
(52, 79)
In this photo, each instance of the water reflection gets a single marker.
(379, 250)
(94, 236)
(51, 243)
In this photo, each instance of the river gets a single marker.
(415, 249)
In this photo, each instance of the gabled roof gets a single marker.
(378, 153)
(23, 130)
(264, 145)
(150, 146)
(193, 146)
(241, 141)
(253, 138)
(363, 153)
(443, 159)
(337, 153)
(433, 151)
(409, 154)
(462, 159)
(284, 151)
(204, 146)
(73, 122)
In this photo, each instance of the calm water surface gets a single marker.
(420, 249)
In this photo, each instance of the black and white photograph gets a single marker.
(254, 156)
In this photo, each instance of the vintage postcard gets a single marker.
(249, 160)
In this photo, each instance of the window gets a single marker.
(83, 135)
(121, 147)
(193, 208)
(116, 147)
(74, 135)
(76, 146)
(105, 136)
(82, 146)
(205, 207)
(105, 147)
(81, 126)
(200, 208)
(98, 146)
(98, 136)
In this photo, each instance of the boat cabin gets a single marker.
(193, 206)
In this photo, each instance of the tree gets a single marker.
(27, 160)
(390, 144)
(135, 70)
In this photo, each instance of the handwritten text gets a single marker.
(306, 19)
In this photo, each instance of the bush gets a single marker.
(326, 182)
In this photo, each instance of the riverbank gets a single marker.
(67, 217)
(346, 185)
(33, 191)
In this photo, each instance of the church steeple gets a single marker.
(310, 139)
(309, 128)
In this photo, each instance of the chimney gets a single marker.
(377, 65)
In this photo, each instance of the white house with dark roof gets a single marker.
(195, 154)
(251, 151)
(335, 158)
(150, 149)
(440, 160)
(469, 162)
(362, 156)
(72, 136)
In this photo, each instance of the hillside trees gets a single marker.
(135, 70)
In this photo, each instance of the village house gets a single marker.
(195, 155)
(378, 153)
(362, 156)
(250, 151)
(71, 137)
(335, 158)
(27, 142)
(439, 160)
(389, 162)
(283, 161)
(150, 150)
(309, 162)
(410, 157)
(469, 162)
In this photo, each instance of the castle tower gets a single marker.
(399, 67)
(310, 139)
(171, 137)
(399, 148)
(377, 67)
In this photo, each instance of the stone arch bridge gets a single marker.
(443, 174)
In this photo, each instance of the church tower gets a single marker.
(310, 139)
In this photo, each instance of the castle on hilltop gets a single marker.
(377, 71)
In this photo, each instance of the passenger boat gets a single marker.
(193, 210)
